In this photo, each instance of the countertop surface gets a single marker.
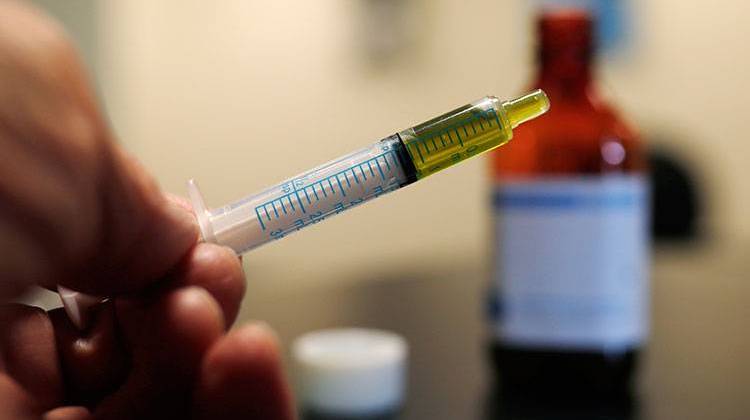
(696, 365)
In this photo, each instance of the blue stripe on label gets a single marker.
(570, 200)
(493, 306)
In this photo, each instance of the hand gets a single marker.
(75, 210)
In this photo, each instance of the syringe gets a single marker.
(390, 164)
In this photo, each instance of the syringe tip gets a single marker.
(526, 107)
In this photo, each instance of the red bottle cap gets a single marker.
(564, 29)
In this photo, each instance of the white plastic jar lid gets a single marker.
(351, 371)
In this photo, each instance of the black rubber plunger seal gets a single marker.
(410, 171)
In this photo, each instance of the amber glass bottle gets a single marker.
(570, 287)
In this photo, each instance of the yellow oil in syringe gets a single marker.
(468, 131)
(392, 163)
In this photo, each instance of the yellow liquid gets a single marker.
(457, 136)
(468, 131)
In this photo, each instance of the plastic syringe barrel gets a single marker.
(307, 198)
(385, 166)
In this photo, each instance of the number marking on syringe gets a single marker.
(484, 119)
(335, 184)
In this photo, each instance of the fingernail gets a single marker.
(198, 294)
(78, 306)
(194, 297)
(183, 218)
(179, 201)
(262, 326)
(261, 329)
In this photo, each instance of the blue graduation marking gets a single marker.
(260, 219)
(296, 194)
(311, 193)
(382, 175)
(458, 136)
(497, 120)
(340, 187)
(480, 123)
(478, 120)
(419, 152)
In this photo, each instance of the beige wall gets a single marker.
(243, 94)
(240, 94)
(687, 85)
(80, 19)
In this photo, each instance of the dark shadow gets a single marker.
(506, 406)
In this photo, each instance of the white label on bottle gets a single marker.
(571, 263)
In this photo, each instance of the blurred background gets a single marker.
(241, 94)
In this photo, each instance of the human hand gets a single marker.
(162, 353)
(75, 210)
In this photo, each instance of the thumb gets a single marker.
(144, 232)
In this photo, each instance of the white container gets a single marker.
(352, 371)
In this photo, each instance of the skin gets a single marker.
(76, 210)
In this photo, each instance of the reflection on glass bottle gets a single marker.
(570, 298)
